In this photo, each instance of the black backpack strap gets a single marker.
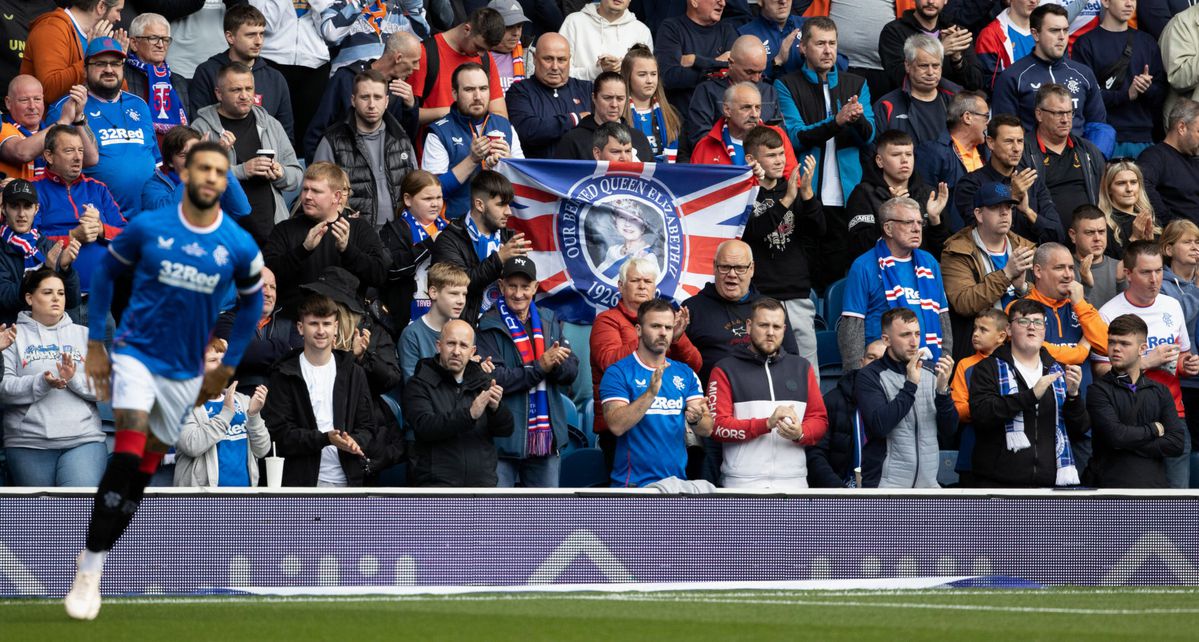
(1113, 76)
(432, 64)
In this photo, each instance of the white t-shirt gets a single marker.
(1164, 318)
(1030, 375)
(319, 380)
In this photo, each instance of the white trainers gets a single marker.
(83, 600)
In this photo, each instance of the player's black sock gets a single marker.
(133, 499)
(111, 496)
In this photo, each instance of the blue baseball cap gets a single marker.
(102, 46)
(992, 194)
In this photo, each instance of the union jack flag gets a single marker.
(586, 218)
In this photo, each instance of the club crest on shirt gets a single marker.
(220, 255)
(1168, 320)
(133, 115)
(678, 383)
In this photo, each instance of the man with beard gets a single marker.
(22, 137)
(184, 258)
(468, 139)
(609, 103)
(649, 402)
(122, 123)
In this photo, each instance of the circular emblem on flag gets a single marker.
(610, 219)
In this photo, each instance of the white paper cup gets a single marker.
(274, 472)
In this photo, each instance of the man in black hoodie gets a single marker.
(455, 410)
(831, 461)
(1134, 422)
(784, 204)
(245, 30)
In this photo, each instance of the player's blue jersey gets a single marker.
(181, 276)
(655, 448)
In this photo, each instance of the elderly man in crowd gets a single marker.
(22, 137)
(747, 62)
(149, 77)
(548, 105)
(724, 144)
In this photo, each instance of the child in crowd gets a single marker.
(990, 332)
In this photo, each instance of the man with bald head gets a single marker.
(543, 108)
(742, 112)
(747, 63)
(454, 410)
(22, 138)
(401, 57)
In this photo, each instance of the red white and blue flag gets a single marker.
(586, 218)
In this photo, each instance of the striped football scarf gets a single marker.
(26, 244)
(929, 312)
(540, 436)
(1017, 440)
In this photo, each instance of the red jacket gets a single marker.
(614, 337)
(710, 149)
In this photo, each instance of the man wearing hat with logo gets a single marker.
(509, 55)
(122, 124)
(535, 366)
(25, 249)
(983, 265)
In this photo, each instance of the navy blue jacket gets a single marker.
(336, 102)
(772, 36)
(12, 273)
(1171, 182)
(938, 162)
(1132, 119)
(679, 36)
(1016, 93)
(831, 459)
(1048, 227)
(542, 115)
(894, 111)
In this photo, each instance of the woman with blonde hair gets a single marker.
(1130, 216)
(649, 111)
(1180, 279)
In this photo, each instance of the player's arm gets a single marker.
(248, 311)
(97, 364)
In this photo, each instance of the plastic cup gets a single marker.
(274, 472)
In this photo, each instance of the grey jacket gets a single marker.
(197, 462)
(38, 415)
(272, 135)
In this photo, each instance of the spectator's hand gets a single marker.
(362, 338)
(1142, 226)
(915, 365)
(937, 201)
(553, 357)
(122, 37)
(898, 191)
(688, 60)
(257, 401)
(72, 109)
(261, 167)
(53, 381)
(8, 335)
(98, 369)
(956, 42)
(759, 173)
(515, 246)
(1019, 262)
(226, 139)
(69, 254)
(54, 253)
(1043, 384)
(402, 90)
(805, 179)
(780, 414)
(66, 367)
(608, 63)
(1159, 356)
(784, 53)
(102, 29)
(845, 114)
(1073, 378)
(496, 393)
(1188, 366)
(943, 370)
(655, 382)
(724, 57)
(682, 318)
(1077, 293)
(1022, 181)
(1140, 84)
(693, 412)
(344, 441)
(1084, 271)
(229, 404)
(315, 234)
(341, 233)
(276, 170)
(482, 400)
(480, 149)
(89, 227)
(485, 364)
(214, 382)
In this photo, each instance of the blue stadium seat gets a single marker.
(587, 421)
(820, 322)
(583, 468)
(834, 298)
(827, 351)
(394, 405)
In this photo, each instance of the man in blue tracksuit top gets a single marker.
(461, 144)
(1016, 88)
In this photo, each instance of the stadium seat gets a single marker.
(394, 405)
(583, 468)
(828, 353)
(820, 322)
(947, 475)
(1194, 469)
(834, 298)
(587, 421)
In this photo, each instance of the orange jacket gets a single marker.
(1063, 348)
(959, 387)
(614, 337)
(820, 8)
(54, 55)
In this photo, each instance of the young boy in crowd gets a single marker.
(990, 332)
(447, 285)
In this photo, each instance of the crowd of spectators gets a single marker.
(1001, 199)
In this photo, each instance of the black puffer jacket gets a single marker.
(454, 246)
(451, 448)
(830, 460)
(290, 419)
(398, 154)
(1128, 452)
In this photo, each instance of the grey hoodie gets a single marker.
(38, 415)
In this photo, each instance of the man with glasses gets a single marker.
(747, 62)
(1073, 165)
(717, 327)
(1016, 88)
(895, 273)
(122, 124)
(1026, 408)
(150, 78)
(958, 150)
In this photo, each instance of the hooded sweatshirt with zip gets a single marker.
(38, 415)
(717, 326)
(591, 35)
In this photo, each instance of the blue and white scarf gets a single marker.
(1017, 440)
(166, 109)
(540, 435)
(26, 244)
(929, 312)
(736, 150)
(419, 233)
(485, 246)
(653, 125)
